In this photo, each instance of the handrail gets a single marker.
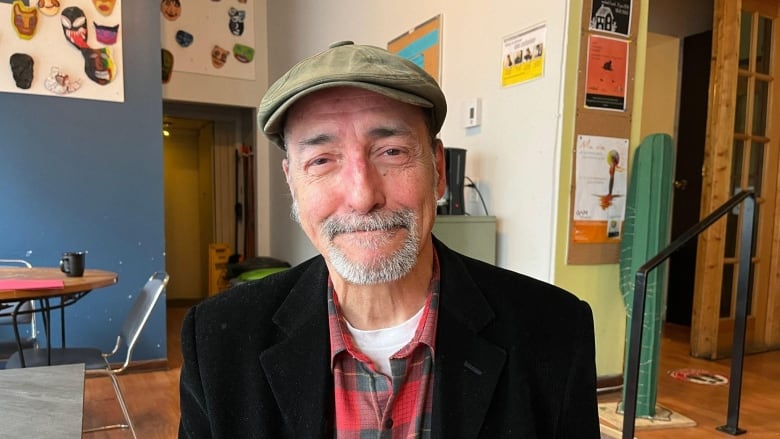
(740, 319)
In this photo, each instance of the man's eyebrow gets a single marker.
(384, 132)
(319, 139)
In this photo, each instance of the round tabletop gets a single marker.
(90, 280)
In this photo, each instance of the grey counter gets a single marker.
(42, 402)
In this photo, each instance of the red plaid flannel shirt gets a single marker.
(370, 404)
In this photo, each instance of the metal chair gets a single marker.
(98, 363)
(24, 314)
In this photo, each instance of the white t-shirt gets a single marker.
(380, 344)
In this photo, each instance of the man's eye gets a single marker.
(319, 161)
(392, 151)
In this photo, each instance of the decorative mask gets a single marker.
(22, 70)
(243, 53)
(167, 65)
(171, 9)
(98, 65)
(49, 7)
(184, 38)
(105, 7)
(25, 19)
(74, 26)
(219, 56)
(236, 23)
(106, 34)
(60, 83)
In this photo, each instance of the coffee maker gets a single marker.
(453, 201)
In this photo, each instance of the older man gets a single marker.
(388, 333)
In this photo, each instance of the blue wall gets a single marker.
(87, 175)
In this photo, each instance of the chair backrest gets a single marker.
(142, 309)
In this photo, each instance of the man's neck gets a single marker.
(385, 305)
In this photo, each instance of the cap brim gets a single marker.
(273, 126)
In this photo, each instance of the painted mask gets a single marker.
(98, 65)
(106, 34)
(22, 69)
(236, 23)
(25, 20)
(74, 26)
(49, 7)
(60, 83)
(170, 9)
(243, 53)
(105, 7)
(219, 56)
(167, 65)
(184, 38)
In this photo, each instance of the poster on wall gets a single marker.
(607, 73)
(421, 45)
(522, 57)
(612, 16)
(601, 185)
(214, 38)
(70, 49)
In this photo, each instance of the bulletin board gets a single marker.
(421, 45)
(605, 86)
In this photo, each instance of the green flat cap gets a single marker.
(345, 64)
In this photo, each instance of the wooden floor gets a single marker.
(153, 398)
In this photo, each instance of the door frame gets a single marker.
(710, 334)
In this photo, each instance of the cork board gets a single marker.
(612, 120)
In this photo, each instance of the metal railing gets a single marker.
(740, 318)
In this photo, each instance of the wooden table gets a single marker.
(42, 402)
(92, 279)
(73, 289)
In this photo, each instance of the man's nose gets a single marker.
(364, 186)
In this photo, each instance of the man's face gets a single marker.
(365, 180)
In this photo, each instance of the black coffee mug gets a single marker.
(72, 264)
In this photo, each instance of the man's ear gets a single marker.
(441, 167)
(287, 177)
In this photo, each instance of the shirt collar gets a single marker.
(340, 340)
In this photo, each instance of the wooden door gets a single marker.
(741, 152)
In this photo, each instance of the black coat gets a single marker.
(514, 358)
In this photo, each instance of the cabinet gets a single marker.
(473, 236)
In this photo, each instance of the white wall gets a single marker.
(513, 156)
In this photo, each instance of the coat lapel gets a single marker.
(468, 366)
(298, 368)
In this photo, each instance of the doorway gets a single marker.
(209, 191)
(691, 134)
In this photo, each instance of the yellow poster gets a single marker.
(523, 56)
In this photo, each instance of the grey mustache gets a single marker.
(367, 223)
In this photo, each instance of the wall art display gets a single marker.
(214, 38)
(67, 49)
(421, 45)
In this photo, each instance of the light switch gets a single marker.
(472, 112)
